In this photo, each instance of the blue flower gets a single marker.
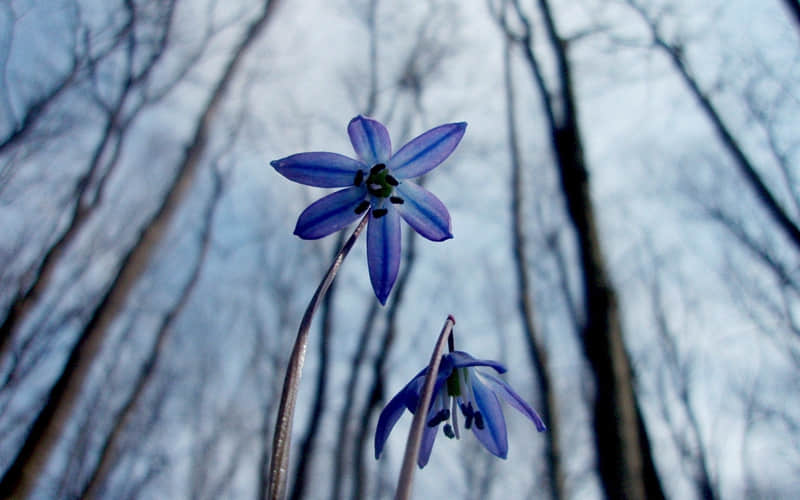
(376, 182)
(460, 385)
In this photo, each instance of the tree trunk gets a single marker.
(623, 453)
(547, 398)
(31, 460)
(794, 10)
(110, 447)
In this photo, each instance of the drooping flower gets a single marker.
(460, 386)
(376, 182)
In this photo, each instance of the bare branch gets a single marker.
(21, 476)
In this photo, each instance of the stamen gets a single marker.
(479, 420)
(377, 168)
(454, 413)
(469, 414)
(359, 178)
(379, 212)
(448, 431)
(392, 181)
(441, 416)
(362, 207)
(397, 200)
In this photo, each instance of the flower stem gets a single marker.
(420, 415)
(279, 464)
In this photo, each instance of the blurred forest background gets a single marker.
(626, 211)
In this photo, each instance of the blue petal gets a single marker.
(461, 360)
(493, 435)
(370, 140)
(411, 399)
(513, 399)
(439, 384)
(414, 388)
(424, 212)
(383, 252)
(388, 418)
(426, 446)
(426, 151)
(429, 433)
(329, 214)
(319, 169)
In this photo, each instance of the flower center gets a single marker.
(379, 182)
(461, 397)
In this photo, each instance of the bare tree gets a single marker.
(677, 377)
(525, 306)
(623, 452)
(88, 190)
(34, 110)
(748, 168)
(109, 448)
(30, 461)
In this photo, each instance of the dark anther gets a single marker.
(359, 178)
(362, 207)
(448, 431)
(469, 414)
(440, 417)
(379, 212)
(391, 180)
(377, 168)
(479, 420)
(397, 200)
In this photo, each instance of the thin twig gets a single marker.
(418, 424)
(279, 464)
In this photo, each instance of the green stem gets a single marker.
(418, 424)
(279, 464)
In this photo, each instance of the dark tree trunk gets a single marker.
(547, 398)
(623, 453)
(794, 10)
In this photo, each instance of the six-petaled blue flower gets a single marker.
(376, 182)
(460, 386)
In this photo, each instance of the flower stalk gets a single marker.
(418, 424)
(281, 440)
